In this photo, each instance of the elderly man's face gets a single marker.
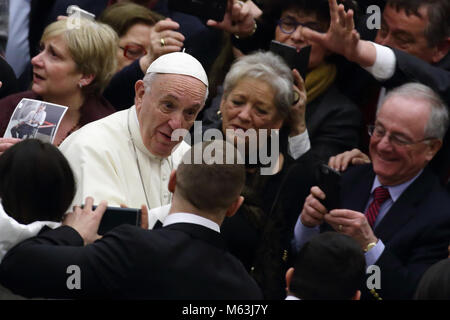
(173, 102)
(405, 118)
(406, 32)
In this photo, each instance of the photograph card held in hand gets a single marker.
(35, 119)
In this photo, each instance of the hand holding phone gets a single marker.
(86, 219)
(294, 59)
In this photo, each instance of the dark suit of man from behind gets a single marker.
(410, 230)
(186, 259)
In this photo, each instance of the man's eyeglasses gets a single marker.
(394, 139)
(289, 26)
(133, 51)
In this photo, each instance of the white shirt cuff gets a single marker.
(299, 145)
(384, 66)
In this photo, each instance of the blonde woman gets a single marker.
(75, 64)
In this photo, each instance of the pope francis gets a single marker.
(127, 157)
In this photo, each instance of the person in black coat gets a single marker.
(186, 259)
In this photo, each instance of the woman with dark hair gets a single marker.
(36, 182)
(36, 188)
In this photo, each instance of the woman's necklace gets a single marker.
(74, 128)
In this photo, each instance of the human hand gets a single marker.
(313, 212)
(1, 84)
(85, 221)
(341, 37)
(6, 143)
(353, 224)
(239, 18)
(163, 39)
(341, 161)
(298, 125)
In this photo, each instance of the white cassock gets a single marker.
(111, 163)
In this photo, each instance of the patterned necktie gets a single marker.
(380, 195)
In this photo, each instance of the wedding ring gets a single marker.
(340, 227)
(296, 97)
(163, 43)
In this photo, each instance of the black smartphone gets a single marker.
(116, 216)
(295, 60)
(203, 9)
(329, 182)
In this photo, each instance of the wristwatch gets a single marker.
(370, 246)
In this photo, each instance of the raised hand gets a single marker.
(239, 18)
(341, 37)
(298, 124)
(86, 221)
(163, 39)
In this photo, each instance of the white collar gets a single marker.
(291, 297)
(190, 218)
(133, 125)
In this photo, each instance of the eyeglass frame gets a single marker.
(394, 139)
(127, 47)
(296, 23)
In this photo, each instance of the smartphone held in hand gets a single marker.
(329, 182)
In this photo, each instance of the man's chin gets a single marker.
(162, 150)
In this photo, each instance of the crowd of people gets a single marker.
(302, 181)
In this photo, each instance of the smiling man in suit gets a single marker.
(395, 207)
(185, 259)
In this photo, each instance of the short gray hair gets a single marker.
(267, 67)
(438, 121)
(150, 77)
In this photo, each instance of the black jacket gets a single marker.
(180, 261)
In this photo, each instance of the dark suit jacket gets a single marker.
(180, 261)
(333, 122)
(415, 231)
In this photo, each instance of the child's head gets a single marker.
(36, 182)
